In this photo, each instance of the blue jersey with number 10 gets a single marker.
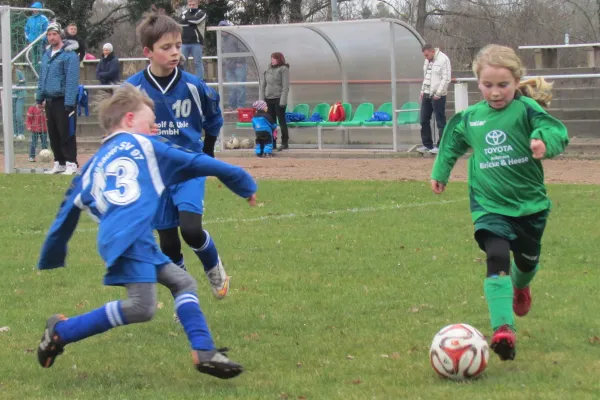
(120, 188)
(185, 107)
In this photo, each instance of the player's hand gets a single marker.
(437, 187)
(252, 200)
(538, 149)
(436, 97)
(421, 97)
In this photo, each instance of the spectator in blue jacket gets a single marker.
(58, 87)
(34, 27)
(107, 71)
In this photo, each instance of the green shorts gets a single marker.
(523, 233)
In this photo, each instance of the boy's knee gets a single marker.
(185, 284)
(140, 306)
(144, 312)
(169, 243)
(191, 229)
(177, 280)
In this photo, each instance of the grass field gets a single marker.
(338, 288)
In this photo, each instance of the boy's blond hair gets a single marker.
(126, 99)
(504, 57)
(154, 26)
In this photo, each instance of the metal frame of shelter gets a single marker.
(247, 33)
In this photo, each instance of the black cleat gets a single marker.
(50, 346)
(215, 363)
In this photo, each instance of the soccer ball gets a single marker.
(247, 144)
(233, 143)
(45, 155)
(459, 352)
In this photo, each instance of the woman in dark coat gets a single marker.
(107, 71)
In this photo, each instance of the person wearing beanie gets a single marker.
(58, 87)
(108, 71)
(265, 129)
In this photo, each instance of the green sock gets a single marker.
(499, 295)
(522, 279)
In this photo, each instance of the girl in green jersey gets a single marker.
(509, 134)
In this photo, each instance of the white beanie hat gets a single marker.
(108, 46)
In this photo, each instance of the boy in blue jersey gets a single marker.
(264, 128)
(184, 106)
(120, 188)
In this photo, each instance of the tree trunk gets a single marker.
(422, 17)
(598, 11)
(296, 11)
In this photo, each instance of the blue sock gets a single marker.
(188, 310)
(208, 253)
(90, 324)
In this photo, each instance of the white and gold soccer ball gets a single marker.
(459, 352)
(247, 143)
(233, 143)
(45, 155)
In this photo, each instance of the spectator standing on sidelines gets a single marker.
(71, 34)
(34, 27)
(437, 72)
(58, 87)
(107, 71)
(193, 21)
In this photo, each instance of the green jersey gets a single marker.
(504, 178)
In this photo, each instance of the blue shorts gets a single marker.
(127, 270)
(185, 196)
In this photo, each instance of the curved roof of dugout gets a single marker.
(350, 61)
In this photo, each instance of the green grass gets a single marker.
(360, 271)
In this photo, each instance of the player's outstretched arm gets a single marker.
(452, 147)
(54, 249)
(177, 165)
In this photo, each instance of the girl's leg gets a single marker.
(522, 272)
(499, 295)
(526, 253)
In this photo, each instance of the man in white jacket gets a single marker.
(437, 72)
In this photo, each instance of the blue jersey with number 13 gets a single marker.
(120, 188)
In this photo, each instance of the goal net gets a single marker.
(22, 43)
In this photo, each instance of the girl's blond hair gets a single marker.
(112, 109)
(504, 57)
